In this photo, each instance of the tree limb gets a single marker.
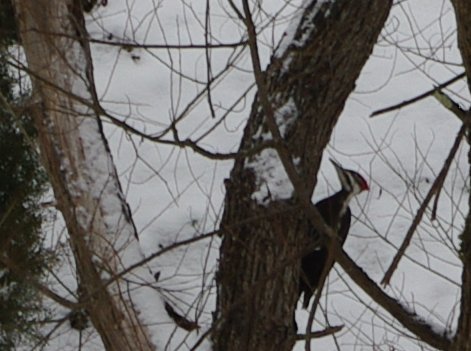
(434, 190)
(406, 317)
(419, 97)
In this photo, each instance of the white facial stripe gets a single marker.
(343, 177)
(351, 181)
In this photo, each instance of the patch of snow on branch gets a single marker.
(435, 327)
(302, 22)
(272, 181)
(97, 180)
(285, 116)
(290, 32)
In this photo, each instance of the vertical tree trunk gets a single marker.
(309, 79)
(80, 167)
(462, 341)
(463, 15)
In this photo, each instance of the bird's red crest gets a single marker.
(363, 183)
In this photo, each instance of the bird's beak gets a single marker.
(337, 166)
(340, 172)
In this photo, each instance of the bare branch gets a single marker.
(419, 97)
(434, 189)
(179, 319)
(189, 143)
(406, 317)
(449, 104)
(321, 333)
(126, 44)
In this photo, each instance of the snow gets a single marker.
(272, 182)
(304, 23)
(285, 116)
(290, 32)
(175, 194)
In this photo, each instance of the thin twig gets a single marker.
(419, 97)
(321, 333)
(157, 254)
(207, 31)
(135, 45)
(188, 142)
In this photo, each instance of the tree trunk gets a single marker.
(462, 340)
(80, 167)
(463, 14)
(308, 81)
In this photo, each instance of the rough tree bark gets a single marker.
(80, 166)
(462, 340)
(307, 83)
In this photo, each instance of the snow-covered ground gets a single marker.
(176, 194)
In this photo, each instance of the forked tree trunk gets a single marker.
(462, 340)
(80, 167)
(309, 80)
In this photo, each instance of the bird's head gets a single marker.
(351, 181)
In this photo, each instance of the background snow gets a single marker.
(176, 194)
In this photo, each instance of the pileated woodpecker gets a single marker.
(336, 213)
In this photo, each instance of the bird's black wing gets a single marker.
(313, 263)
(312, 266)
